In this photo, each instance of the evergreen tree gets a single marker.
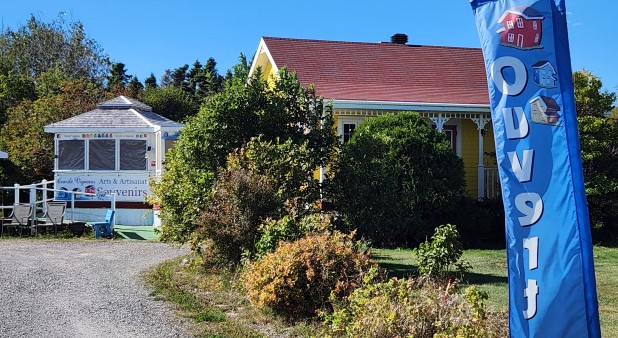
(118, 78)
(151, 82)
(166, 79)
(135, 88)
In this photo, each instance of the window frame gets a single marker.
(85, 160)
(520, 22)
(347, 120)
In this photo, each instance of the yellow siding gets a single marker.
(470, 155)
(270, 74)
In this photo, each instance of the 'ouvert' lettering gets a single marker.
(530, 204)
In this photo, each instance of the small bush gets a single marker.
(241, 202)
(438, 256)
(417, 308)
(298, 278)
(287, 229)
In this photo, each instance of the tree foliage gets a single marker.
(590, 98)
(118, 78)
(171, 102)
(395, 178)
(244, 109)
(599, 145)
(36, 47)
(30, 149)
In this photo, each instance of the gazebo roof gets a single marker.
(120, 114)
(3, 154)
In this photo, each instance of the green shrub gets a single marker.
(225, 122)
(289, 228)
(288, 165)
(437, 257)
(599, 141)
(241, 202)
(297, 279)
(395, 178)
(417, 308)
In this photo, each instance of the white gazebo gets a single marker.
(116, 148)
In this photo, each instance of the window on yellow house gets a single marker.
(348, 130)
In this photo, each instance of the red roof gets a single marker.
(385, 71)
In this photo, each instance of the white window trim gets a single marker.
(458, 139)
(87, 157)
(511, 37)
(510, 25)
(520, 23)
(347, 120)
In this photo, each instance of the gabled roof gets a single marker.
(527, 13)
(549, 102)
(386, 72)
(542, 64)
(119, 114)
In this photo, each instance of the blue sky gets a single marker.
(150, 36)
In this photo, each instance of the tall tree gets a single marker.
(599, 146)
(150, 82)
(179, 77)
(118, 78)
(171, 102)
(14, 88)
(135, 88)
(30, 148)
(166, 79)
(229, 119)
(590, 99)
(36, 47)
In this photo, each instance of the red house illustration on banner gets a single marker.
(522, 29)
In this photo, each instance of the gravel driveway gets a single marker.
(82, 289)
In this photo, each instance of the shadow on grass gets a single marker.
(402, 270)
(479, 278)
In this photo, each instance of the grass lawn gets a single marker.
(490, 274)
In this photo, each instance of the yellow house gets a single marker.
(446, 85)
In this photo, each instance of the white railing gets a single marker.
(40, 203)
(492, 183)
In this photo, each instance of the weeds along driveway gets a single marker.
(76, 288)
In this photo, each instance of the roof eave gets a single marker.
(101, 129)
(262, 49)
(422, 106)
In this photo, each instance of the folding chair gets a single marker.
(20, 218)
(54, 216)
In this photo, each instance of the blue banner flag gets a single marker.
(552, 288)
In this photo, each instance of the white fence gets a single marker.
(39, 196)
